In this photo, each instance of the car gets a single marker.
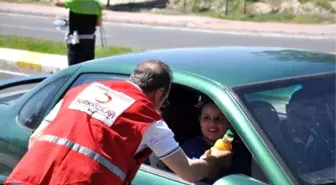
(280, 102)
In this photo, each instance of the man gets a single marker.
(100, 133)
(84, 16)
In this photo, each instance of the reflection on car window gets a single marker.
(91, 77)
(31, 112)
(298, 117)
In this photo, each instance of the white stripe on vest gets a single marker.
(85, 151)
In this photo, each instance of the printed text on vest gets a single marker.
(102, 103)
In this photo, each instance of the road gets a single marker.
(149, 37)
(10, 72)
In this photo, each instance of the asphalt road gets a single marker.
(149, 37)
(4, 76)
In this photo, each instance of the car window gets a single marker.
(31, 112)
(298, 117)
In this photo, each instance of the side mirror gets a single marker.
(238, 180)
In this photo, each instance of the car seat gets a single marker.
(268, 119)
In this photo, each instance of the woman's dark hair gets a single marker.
(202, 101)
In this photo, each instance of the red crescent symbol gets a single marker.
(109, 98)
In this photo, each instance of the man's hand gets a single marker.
(59, 3)
(99, 21)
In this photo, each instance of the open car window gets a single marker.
(298, 117)
(182, 116)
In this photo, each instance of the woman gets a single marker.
(214, 125)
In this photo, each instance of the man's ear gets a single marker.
(151, 95)
(159, 93)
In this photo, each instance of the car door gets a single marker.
(148, 175)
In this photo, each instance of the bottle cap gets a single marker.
(229, 133)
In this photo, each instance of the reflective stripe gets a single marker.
(86, 36)
(85, 151)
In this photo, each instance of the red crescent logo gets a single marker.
(104, 98)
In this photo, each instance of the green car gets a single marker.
(280, 102)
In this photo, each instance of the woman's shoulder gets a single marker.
(191, 141)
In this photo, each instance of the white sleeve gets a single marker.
(45, 123)
(53, 113)
(50, 117)
(160, 139)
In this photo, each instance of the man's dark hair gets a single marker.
(152, 75)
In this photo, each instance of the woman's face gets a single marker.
(213, 122)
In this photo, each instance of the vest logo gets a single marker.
(94, 107)
(104, 98)
(96, 101)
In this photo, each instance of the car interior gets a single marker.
(182, 114)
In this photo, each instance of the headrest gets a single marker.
(263, 111)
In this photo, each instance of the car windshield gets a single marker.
(298, 117)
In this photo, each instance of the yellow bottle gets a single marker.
(225, 144)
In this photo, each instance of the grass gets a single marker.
(52, 47)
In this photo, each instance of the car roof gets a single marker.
(230, 66)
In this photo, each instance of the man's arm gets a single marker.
(100, 15)
(45, 123)
(192, 170)
(160, 139)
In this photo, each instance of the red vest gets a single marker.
(93, 139)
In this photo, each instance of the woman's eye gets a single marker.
(206, 117)
(220, 118)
